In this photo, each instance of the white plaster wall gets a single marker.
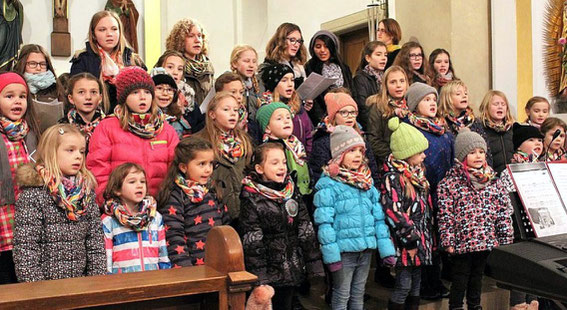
(38, 25)
(504, 53)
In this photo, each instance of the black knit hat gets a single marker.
(522, 133)
(272, 75)
(160, 76)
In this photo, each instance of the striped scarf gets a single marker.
(230, 146)
(400, 107)
(197, 66)
(14, 131)
(86, 128)
(72, 194)
(138, 221)
(254, 187)
(195, 191)
(464, 119)
(294, 146)
(361, 178)
(143, 125)
(432, 125)
(416, 174)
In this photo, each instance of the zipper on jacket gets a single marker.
(141, 250)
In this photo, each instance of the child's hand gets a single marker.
(389, 261)
(308, 105)
(335, 266)
(412, 253)
(451, 250)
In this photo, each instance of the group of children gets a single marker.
(397, 162)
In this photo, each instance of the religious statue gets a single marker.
(60, 37)
(555, 53)
(60, 8)
(11, 22)
(128, 14)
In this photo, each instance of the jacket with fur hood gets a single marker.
(47, 245)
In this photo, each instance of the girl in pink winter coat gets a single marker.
(135, 133)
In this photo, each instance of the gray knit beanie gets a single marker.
(326, 33)
(467, 141)
(416, 92)
(343, 138)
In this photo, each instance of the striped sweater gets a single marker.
(131, 251)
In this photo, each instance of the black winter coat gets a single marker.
(319, 109)
(278, 250)
(364, 86)
(88, 61)
(501, 147)
(188, 224)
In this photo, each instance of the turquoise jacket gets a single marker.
(349, 220)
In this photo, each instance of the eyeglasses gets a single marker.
(294, 40)
(167, 90)
(346, 114)
(414, 56)
(382, 30)
(33, 64)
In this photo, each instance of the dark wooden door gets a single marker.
(352, 44)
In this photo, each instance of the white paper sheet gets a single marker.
(313, 86)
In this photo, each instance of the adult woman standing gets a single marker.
(390, 32)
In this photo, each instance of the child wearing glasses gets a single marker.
(35, 65)
(341, 110)
(286, 47)
(413, 60)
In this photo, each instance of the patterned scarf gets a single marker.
(400, 107)
(266, 98)
(498, 127)
(230, 146)
(443, 79)
(520, 157)
(432, 125)
(464, 119)
(361, 178)
(254, 187)
(556, 155)
(195, 191)
(72, 194)
(138, 221)
(198, 66)
(422, 76)
(110, 65)
(415, 174)
(479, 177)
(87, 128)
(243, 116)
(14, 131)
(143, 125)
(376, 74)
(293, 145)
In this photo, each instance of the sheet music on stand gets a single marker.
(540, 196)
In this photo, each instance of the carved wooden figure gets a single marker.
(60, 37)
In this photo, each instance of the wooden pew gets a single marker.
(223, 281)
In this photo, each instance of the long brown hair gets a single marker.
(122, 42)
(276, 47)
(211, 132)
(185, 151)
(117, 178)
(380, 101)
(176, 38)
(403, 60)
(393, 29)
(368, 49)
(436, 52)
(87, 76)
(259, 155)
(25, 51)
(161, 60)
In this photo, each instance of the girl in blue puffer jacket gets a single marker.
(350, 219)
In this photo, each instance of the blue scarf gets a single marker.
(39, 81)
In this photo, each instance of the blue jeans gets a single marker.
(349, 282)
(408, 281)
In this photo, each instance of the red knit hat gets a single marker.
(130, 79)
(11, 78)
(337, 101)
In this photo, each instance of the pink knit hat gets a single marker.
(337, 101)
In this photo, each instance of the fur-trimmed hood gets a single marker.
(27, 176)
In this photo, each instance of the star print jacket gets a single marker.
(278, 248)
(187, 224)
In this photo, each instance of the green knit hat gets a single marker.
(406, 140)
(265, 112)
